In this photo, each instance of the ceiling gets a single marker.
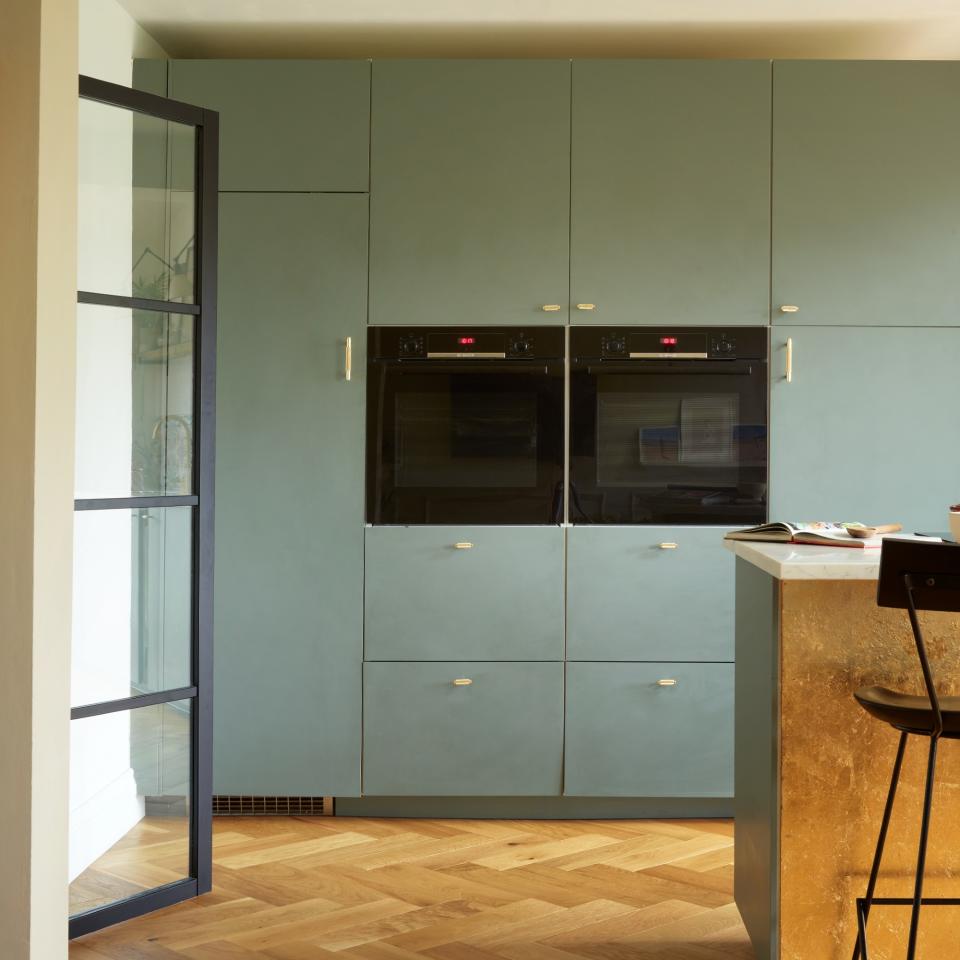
(856, 29)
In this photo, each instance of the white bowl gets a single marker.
(955, 525)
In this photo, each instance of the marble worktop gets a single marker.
(792, 561)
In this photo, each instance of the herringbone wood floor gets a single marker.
(289, 889)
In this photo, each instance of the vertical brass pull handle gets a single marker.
(348, 358)
(788, 374)
(462, 682)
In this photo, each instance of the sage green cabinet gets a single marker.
(470, 191)
(470, 593)
(649, 730)
(670, 192)
(289, 507)
(649, 593)
(866, 193)
(284, 124)
(497, 732)
(867, 429)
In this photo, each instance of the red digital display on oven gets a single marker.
(466, 341)
(668, 341)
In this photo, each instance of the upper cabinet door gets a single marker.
(298, 125)
(866, 193)
(470, 192)
(670, 192)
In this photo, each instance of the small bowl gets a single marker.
(955, 523)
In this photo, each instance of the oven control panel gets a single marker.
(723, 347)
(412, 347)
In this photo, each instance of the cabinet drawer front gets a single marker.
(628, 598)
(276, 119)
(499, 596)
(626, 735)
(499, 735)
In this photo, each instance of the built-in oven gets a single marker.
(465, 425)
(668, 425)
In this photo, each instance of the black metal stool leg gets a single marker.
(922, 852)
(861, 946)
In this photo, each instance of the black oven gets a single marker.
(465, 425)
(668, 425)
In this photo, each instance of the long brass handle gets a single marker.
(789, 308)
(667, 682)
(586, 306)
(551, 307)
(348, 358)
(462, 682)
(788, 373)
(463, 545)
(668, 546)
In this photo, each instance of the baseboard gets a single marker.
(537, 808)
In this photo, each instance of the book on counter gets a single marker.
(820, 533)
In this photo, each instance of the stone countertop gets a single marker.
(793, 561)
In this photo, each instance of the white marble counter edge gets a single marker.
(791, 561)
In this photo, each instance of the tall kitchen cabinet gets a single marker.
(290, 421)
(670, 192)
(470, 192)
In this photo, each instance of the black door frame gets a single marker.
(200, 692)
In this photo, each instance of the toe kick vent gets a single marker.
(244, 806)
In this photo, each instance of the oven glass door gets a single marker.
(666, 442)
(472, 441)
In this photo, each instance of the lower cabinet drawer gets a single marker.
(649, 593)
(629, 735)
(499, 735)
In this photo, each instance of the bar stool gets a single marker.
(914, 575)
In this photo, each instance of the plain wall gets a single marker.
(38, 111)
(110, 39)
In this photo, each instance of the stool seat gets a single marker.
(908, 712)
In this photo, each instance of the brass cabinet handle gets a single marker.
(551, 307)
(463, 545)
(789, 308)
(586, 306)
(788, 373)
(667, 682)
(348, 358)
(668, 546)
(462, 682)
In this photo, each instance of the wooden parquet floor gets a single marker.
(365, 889)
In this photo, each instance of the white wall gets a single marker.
(110, 39)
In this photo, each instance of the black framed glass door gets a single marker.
(140, 764)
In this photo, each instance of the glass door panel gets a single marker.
(140, 817)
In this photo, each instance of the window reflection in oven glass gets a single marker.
(464, 439)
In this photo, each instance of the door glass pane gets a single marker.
(135, 371)
(132, 606)
(136, 215)
(129, 803)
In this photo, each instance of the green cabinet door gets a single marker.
(464, 593)
(867, 429)
(649, 730)
(497, 732)
(649, 593)
(866, 193)
(289, 512)
(670, 219)
(470, 186)
(284, 124)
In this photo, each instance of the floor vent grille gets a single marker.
(244, 806)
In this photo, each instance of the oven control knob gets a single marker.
(521, 346)
(411, 346)
(614, 346)
(724, 347)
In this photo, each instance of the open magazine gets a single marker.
(819, 532)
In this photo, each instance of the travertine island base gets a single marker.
(813, 769)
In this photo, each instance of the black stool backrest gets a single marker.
(921, 575)
(933, 568)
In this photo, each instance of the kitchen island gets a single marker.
(813, 769)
